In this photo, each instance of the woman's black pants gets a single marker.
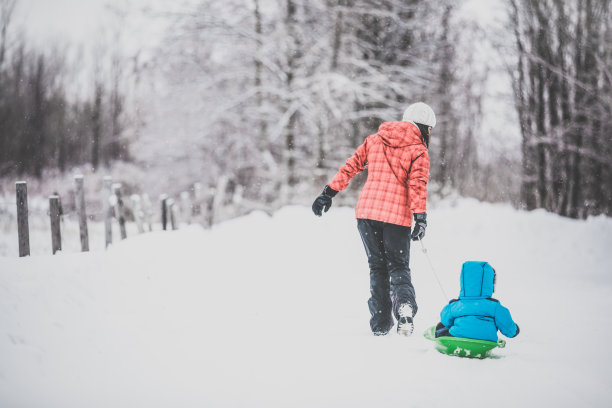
(388, 249)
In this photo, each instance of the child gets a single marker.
(475, 314)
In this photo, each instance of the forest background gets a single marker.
(256, 103)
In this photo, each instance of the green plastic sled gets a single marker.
(462, 347)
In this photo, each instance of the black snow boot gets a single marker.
(405, 325)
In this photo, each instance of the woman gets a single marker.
(396, 190)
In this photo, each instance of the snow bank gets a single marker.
(271, 312)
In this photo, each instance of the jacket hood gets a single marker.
(477, 279)
(399, 134)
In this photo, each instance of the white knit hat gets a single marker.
(420, 113)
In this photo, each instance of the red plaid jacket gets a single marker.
(398, 171)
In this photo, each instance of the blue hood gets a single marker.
(476, 280)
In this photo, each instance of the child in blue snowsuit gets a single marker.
(475, 314)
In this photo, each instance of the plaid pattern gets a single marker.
(398, 171)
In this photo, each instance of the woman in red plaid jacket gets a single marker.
(396, 190)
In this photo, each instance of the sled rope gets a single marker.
(433, 270)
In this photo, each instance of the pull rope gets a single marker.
(433, 270)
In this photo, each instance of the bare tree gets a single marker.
(115, 148)
(563, 100)
(6, 12)
(96, 126)
(41, 125)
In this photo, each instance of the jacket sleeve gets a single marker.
(446, 316)
(417, 181)
(504, 322)
(354, 165)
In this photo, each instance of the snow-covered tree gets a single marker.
(284, 90)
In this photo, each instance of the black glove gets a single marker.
(323, 201)
(420, 223)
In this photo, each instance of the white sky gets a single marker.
(64, 20)
(82, 22)
(87, 31)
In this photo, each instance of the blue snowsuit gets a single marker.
(475, 314)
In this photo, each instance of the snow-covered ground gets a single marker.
(271, 312)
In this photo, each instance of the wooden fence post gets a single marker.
(138, 213)
(148, 211)
(196, 208)
(23, 230)
(107, 192)
(54, 213)
(120, 213)
(210, 211)
(219, 197)
(80, 204)
(172, 211)
(164, 210)
(186, 206)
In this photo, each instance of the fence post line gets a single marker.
(120, 210)
(107, 192)
(23, 229)
(164, 210)
(54, 214)
(80, 204)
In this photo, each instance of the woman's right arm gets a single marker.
(353, 166)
